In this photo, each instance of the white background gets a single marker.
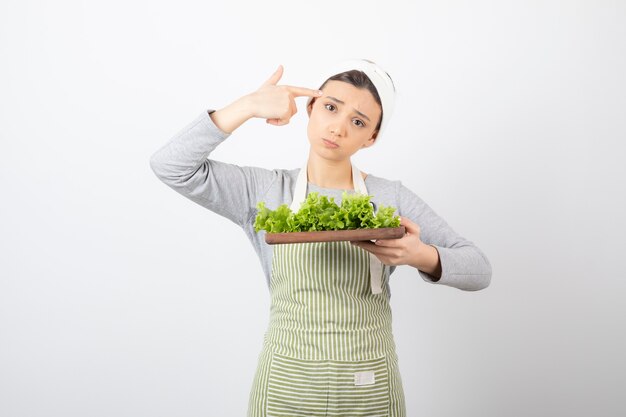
(119, 297)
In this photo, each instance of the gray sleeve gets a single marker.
(229, 190)
(463, 264)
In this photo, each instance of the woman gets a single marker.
(329, 348)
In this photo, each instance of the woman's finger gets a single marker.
(411, 228)
(277, 122)
(386, 242)
(368, 246)
(275, 76)
(303, 91)
(292, 106)
(274, 121)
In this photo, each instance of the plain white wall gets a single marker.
(120, 297)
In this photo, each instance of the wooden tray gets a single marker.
(335, 235)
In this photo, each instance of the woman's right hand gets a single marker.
(272, 102)
(276, 103)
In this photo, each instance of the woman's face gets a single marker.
(344, 115)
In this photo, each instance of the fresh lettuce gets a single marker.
(317, 212)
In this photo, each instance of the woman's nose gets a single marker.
(337, 129)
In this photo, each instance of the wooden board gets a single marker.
(335, 235)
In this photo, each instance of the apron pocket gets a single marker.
(306, 388)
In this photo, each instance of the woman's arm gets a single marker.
(226, 189)
(232, 116)
(462, 264)
(431, 246)
(229, 190)
(427, 260)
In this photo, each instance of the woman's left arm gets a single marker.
(431, 246)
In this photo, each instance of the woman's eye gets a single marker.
(329, 107)
(359, 123)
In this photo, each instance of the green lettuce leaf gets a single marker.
(318, 212)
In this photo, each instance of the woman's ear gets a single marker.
(371, 140)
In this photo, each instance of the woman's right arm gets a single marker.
(232, 116)
(226, 189)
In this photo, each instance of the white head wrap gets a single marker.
(380, 79)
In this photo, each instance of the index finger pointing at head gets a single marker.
(302, 91)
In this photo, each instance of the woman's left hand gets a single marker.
(403, 251)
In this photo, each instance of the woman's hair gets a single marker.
(359, 80)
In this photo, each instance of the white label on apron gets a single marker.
(364, 378)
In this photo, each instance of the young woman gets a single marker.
(329, 348)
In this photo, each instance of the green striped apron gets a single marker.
(329, 348)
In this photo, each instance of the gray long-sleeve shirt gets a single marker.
(233, 191)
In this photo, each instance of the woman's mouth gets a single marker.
(330, 144)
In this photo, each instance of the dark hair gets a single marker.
(359, 80)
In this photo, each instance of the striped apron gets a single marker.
(329, 348)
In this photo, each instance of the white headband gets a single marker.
(378, 77)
